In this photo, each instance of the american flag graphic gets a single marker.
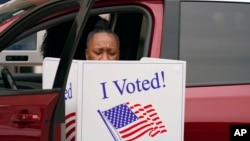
(70, 123)
(131, 122)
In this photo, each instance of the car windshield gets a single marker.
(9, 9)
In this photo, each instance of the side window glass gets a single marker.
(214, 40)
(23, 59)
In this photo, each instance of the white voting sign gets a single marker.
(126, 100)
(71, 91)
(131, 100)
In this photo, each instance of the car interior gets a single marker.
(133, 34)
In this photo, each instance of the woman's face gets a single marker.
(102, 46)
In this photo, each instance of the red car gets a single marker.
(212, 36)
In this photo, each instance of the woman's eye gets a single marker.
(112, 53)
(98, 52)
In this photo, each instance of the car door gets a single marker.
(39, 114)
(27, 115)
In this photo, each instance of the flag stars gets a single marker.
(120, 116)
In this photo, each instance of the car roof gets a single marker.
(10, 10)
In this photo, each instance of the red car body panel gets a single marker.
(8, 23)
(209, 111)
(26, 117)
(209, 99)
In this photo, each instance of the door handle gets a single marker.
(25, 118)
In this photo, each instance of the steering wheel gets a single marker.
(8, 79)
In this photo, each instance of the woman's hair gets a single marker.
(102, 26)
